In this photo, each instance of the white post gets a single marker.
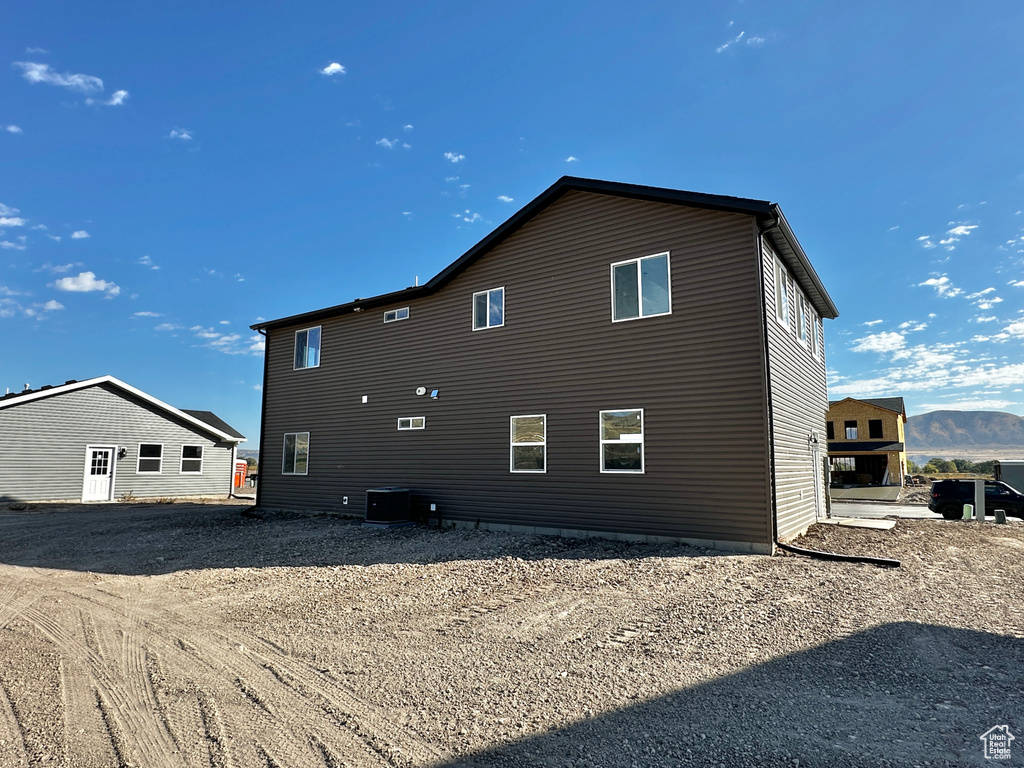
(979, 500)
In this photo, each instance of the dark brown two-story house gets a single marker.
(613, 359)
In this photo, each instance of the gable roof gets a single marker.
(770, 219)
(204, 420)
(894, 404)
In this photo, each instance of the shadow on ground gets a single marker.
(900, 694)
(152, 539)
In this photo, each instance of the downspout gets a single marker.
(260, 469)
(881, 561)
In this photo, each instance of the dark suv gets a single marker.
(949, 497)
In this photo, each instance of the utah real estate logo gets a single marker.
(997, 742)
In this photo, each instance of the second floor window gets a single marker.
(489, 309)
(641, 288)
(307, 348)
(851, 430)
(781, 293)
(875, 429)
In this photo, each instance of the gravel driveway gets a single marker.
(189, 635)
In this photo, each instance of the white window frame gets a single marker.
(140, 458)
(640, 288)
(855, 429)
(411, 423)
(394, 315)
(284, 442)
(782, 295)
(487, 324)
(603, 442)
(202, 457)
(319, 348)
(803, 331)
(513, 444)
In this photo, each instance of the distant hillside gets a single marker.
(945, 430)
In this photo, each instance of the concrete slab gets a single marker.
(879, 493)
(854, 522)
(861, 509)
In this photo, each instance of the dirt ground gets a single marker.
(162, 636)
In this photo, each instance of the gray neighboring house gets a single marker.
(99, 439)
(615, 359)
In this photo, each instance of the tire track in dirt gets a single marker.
(201, 651)
(12, 743)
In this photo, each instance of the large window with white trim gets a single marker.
(641, 288)
(192, 459)
(489, 309)
(307, 348)
(529, 443)
(151, 458)
(622, 440)
(296, 454)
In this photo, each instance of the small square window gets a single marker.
(489, 309)
(307, 348)
(641, 288)
(412, 422)
(192, 459)
(151, 458)
(394, 315)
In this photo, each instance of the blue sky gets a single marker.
(171, 174)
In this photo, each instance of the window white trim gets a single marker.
(305, 358)
(628, 438)
(140, 458)
(202, 456)
(803, 330)
(542, 444)
(783, 301)
(639, 286)
(487, 319)
(394, 315)
(412, 422)
(295, 453)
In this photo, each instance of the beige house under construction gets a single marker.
(866, 441)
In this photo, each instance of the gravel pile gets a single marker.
(129, 631)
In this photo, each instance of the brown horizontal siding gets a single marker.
(799, 404)
(697, 373)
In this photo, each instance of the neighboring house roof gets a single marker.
(841, 446)
(768, 215)
(894, 404)
(205, 420)
(214, 421)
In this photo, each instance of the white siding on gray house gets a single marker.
(43, 446)
(799, 402)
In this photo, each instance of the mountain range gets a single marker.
(939, 432)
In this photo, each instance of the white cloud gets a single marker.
(146, 314)
(11, 221)
(41, 73)
(334, 68)
(912, 325)
(872, 322)
(116, 99)
(13, 129)
(256, 347)
(392, 143)
(167, 327)
(926, 241)
(961, 230)
(989, 319)
(7, 245)
(80, 234)
(58, 238)
(181, 134)
(5, 291)
(6, 210)
(86, 282)
(228, 343)
(571, 159)
(732, 42)
(755, 40)
(943, 286)
(56, 269)
(468, 216)
(52, 305)
(454, 157)
(146, 261)
(407, 127)
(505, 198)
(880, 342)
(968, 405)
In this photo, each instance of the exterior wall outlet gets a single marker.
(433, 507)
(366, 398)
(344, 499)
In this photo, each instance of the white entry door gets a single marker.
(98, 484)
